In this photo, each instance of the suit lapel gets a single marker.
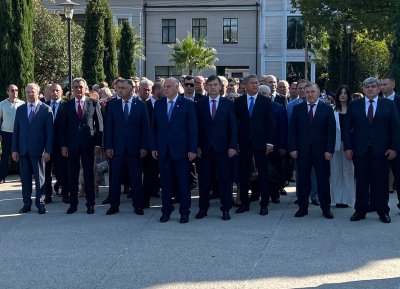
(177, 107)
(362, 111)
(257, 104)
(133, 107)
(379, 109)
(219, 108)
(88, 102)
(36, 112)
(317, 112)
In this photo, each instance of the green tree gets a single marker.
(192, 54)
(334, 59)
(93, 44)
(16, 49)
(110, 47)
(395, 51)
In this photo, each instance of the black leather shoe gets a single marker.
(41, 210)
(48, 200)
(226, 216)
(65, 199)
(357, 217)
(2, 181)
(327, 214)
(112, 211)
(296, 202)
(264, 211)
(315, 202)
(164, 218)
(90, 210)
(138, 211)
(385, 218)
(106, 201)
(275, 200)
(184, 219)
(201, 214)
(25, 210)
(301, 213)
(242, 209)
(283, 192)
(71, 210)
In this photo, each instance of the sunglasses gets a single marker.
(189, 84)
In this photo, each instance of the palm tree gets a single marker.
(192, 54)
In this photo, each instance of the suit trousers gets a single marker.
(372, 176)
(245, 159)
(313, 188)
(5, 153)
(150, 178)
(221, 161)
(182, 167)
(288, 167)
(395, 166)
(87, 159)
(32, 165)
(276, 161)
(304, 168)
(59, 164)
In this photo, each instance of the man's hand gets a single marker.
(328, 156)
(349, 155)
(154, 154)
(143, 153)
(392, 154)
(191, 156)
(96, 151)
(293, 154)
(199, 152)
(282, 152)
(110, 153)
(46, 157)
(269, 149)
(15, 156)
(64, 151)
(232, 153)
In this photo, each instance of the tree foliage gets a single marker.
(192, 54)
(395, 51)
(110, 49)
(16, 49)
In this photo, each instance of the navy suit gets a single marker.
(126, 139)
(369, 143)
(216, 137)
(80, 136)
(311, 141)
(173, 140)
(30, 141)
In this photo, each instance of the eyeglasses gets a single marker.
(189, 84)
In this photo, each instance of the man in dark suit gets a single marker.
(188, 87)
(371, 134)
(312, 134)
(32, 145)
(271, 82)
(256, 133)
(58, 163)
(174, 143)
(81, 139)
(126, 141)
(217, 143)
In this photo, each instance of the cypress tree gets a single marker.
(334, 59)
(395, 51)
(93, 43)
(16, 49)
(110, 45)
(126, 61)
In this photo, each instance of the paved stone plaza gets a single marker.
(56, 250)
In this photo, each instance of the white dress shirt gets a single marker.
(192, 97)
(391, 96)
(169, 104)
(129, 105)
(153, 101)
(35, 104)
(57, 104)
(249, 100)
(82, 103)
(374, 104)
(211, 103)
(314, 108)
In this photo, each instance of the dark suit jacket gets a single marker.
(57, 124)
(281, 99)
(150, 108)
(220, 133)
(197, 97)
(133, 135)
(281, 127)
(84, 133)
(320, 135)
(383, 133)
(179, 134)
(36, 137)
(260, 128)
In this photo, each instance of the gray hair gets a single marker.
(79, 80)
(371, 80)
(146, 82)
(223, 80)
(265, 87)
(34, 85)
(285, 82)
(176, 81)
(246, 79)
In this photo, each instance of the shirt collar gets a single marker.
(316, 103)
(216, 99)
(390, 96)
(174, 100)
(82, 99)
(57, 101)
(255, 96)
(375, 99)
(34, 104)
(129, 100)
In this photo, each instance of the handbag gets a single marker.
(101, 167)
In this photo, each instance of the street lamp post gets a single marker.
(349, 32)
(306, 51)
(69, 13)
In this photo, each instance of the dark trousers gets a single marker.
(32, 165)
(221, 162)
(87, 159)
(5, 153)
(321, 167)
(182, 168)
(288, 167)
(395, 166)
(150, 178)
(133, 165)
(372, 177)
(59, 164)
(245, 159)
(276, 161)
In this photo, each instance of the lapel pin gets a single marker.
(177, 106)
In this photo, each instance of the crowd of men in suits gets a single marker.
(153, 131)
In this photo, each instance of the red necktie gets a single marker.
(79, 109)
(213, 109)
(371, 111)
(310, 113)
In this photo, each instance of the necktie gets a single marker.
(54, 110)
(310, 113)
(251, 107)
(31, 113)
(126, 110)
(371, 111)
(171, 108)
(79, 109)
(213, 109)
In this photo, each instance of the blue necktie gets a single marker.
(171, 108)
(54, 110)
(126, 111)
(251, 107)
(31, 113)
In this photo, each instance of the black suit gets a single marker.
(254, 133)
(281, 99)
(311, 141)
(80, 136)
(369, 143)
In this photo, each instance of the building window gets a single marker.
(121, 21)
(230, 30)
(80, 23)
(295, 28)
(168, 31)
(199, 28)
(167, 71)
